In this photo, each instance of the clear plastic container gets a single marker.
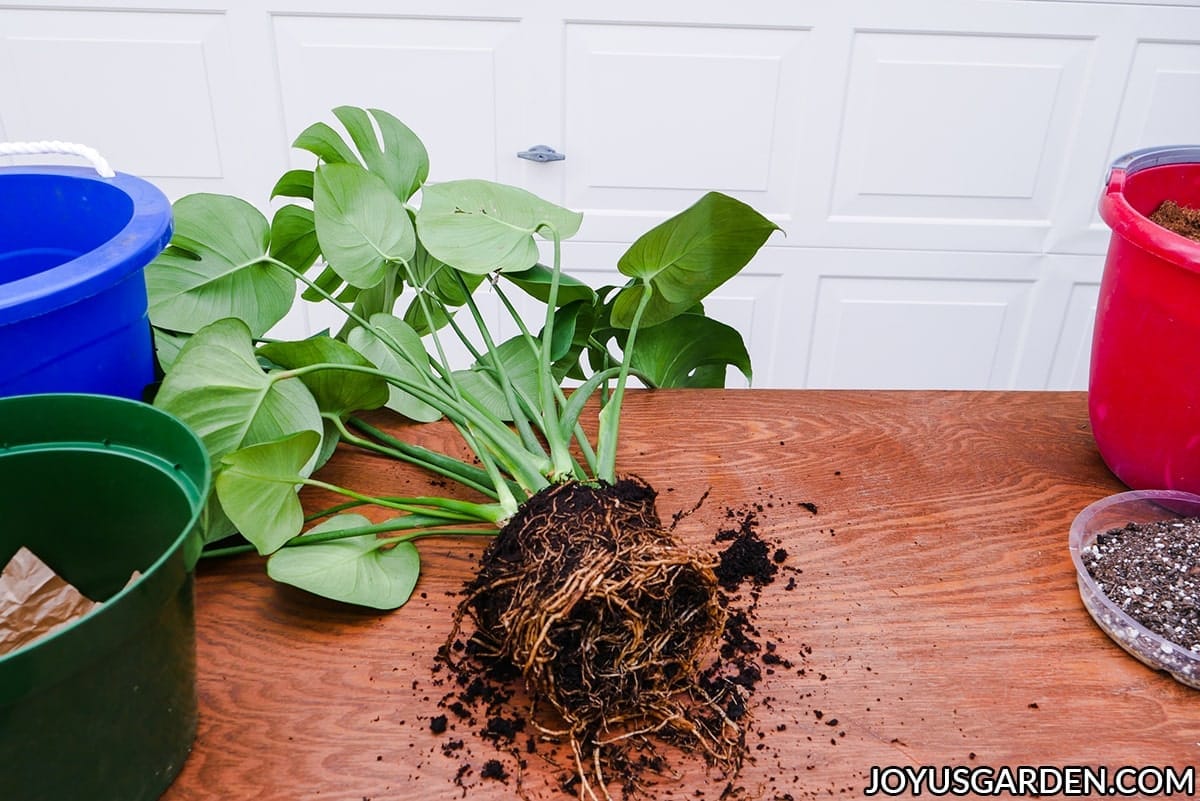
(1115, 511)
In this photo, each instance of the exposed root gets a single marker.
(608, 618)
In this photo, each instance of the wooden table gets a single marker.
(936, 618)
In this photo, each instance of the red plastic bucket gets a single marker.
(1144, 388)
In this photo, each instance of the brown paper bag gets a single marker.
(34, 601)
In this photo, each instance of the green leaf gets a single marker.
(337, 392)
(688, 256)
(294, 183)
(326, 144)
(217, 388)
(354, 570)
(360, 224)
(257, 489)
(167, 347)
(536, 282)
(383, 354)
(400, 160)
(481, 382)
(294, 237)
(689, 351)
(215, 268)
(480, 227)
(447, 288)
(329, 281)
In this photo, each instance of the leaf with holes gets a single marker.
(482, 227)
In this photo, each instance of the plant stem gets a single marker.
(585, 447)
(439, 463)
(526, 467)
(496, 363)
(610, 415)
(382, 335)
(438, 508)
(560, 453)
(395, 524)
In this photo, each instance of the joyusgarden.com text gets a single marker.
(1029, 780)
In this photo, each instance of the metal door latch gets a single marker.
(542, 153)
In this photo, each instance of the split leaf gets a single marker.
(215, 267)
(400, 159)
(361, 225)
(354, 570)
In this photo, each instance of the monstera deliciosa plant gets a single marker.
(405, 278)
(606, 613)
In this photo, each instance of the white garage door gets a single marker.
(935, 164)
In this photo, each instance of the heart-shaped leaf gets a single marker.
(353, 570)
(689, 351)
(217, 388)
(480, 227)
(294, 237)
(536, 282)
(361, 225)
(215, 267)
(257, 488)
(337, 392)
(688, 256)
(410, 364)
(294, 183)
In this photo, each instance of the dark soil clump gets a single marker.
(1179, 219)
(620, 633)
(1152, 571)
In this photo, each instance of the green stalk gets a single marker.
(395, 524)
(560, 452)
(610, 415)
(380, 334)
(585, 447)
(526, 467)
(433, 508)
(510, 397)
(445, 466)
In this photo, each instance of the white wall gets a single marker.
(935, 164)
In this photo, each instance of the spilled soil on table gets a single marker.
(609, 649)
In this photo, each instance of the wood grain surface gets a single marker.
(934, 620)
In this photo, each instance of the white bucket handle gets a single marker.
(61, 148)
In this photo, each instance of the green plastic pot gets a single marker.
(98, 487)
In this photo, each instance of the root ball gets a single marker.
(608, 617)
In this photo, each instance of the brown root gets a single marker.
(608, 618)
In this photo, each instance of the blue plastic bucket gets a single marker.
(73, 246)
